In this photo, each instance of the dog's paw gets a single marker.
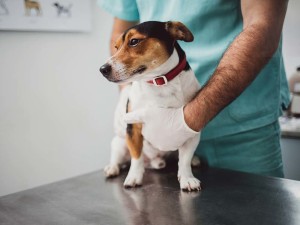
(158, 163)
(133, 179)
(189, 183)
(111, 171)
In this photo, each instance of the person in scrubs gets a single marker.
(237, 57)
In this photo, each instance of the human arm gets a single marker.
(241, 63)
(249, 52)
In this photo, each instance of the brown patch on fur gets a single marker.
(149, 53)
(135, 141)
(118, 43)
(179, 31)
(134, 138)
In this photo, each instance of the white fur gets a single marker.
(118, 68)
(136, 172)
(176, 93)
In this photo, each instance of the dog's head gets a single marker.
(142, 49)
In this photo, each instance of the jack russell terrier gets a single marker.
(149, 57)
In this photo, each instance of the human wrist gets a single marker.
(191, 119)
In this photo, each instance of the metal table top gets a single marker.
(227, 197)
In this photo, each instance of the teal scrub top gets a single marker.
(215, 24)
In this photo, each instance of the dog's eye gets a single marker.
(134, 42)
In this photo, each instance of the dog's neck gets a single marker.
(164, 68)
(165, 78)
(170, 69)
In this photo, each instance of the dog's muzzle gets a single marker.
(106, 70)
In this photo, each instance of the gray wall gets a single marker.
(56, 110)
(291, 157)
(291, 37)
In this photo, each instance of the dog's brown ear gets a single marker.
(179, 31)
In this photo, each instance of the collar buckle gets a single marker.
(160, 81)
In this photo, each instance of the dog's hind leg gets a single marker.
(185, 176)
(134, 140)
(156, 161)
(119, 155)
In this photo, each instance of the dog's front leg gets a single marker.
(119, 155)
(185, 176)
(134, 141)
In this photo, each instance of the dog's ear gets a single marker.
(179, 31)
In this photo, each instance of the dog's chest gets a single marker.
(173, 95)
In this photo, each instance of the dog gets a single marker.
(60, 9)
(35, 5)
(149, 56)
(4, 7)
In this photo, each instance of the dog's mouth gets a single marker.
(121, 78)
(139, 70)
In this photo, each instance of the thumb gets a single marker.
(134, 117)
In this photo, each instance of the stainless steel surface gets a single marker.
(227, 198)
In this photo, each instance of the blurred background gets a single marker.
(56, 110)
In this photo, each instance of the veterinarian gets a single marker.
(237, 57)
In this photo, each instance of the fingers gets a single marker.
(134, 117)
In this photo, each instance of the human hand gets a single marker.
(164, 128)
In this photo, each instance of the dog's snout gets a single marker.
(106, 69)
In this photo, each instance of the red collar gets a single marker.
(163, 79)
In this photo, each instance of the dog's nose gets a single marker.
(105, 70)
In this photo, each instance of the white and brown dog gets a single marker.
(149, 56)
